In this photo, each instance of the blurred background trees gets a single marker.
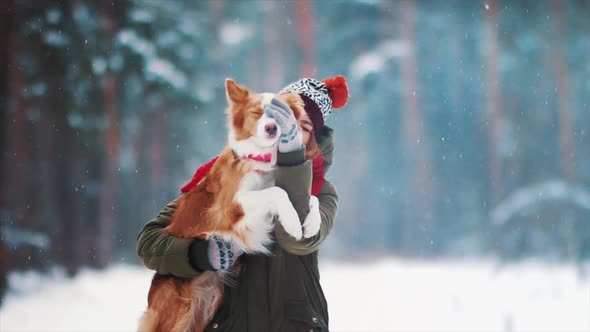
(467, 133)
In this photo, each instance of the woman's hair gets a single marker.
(312, 149)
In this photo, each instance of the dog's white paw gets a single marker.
(313, 221)
(290, 221)
(288, 216)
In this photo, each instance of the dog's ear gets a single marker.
(235, 93)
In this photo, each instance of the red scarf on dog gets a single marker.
(316, 183)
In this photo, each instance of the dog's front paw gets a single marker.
(290, 221)
(288, 216)
(313, 221)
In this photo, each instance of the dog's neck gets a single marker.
(257, 180)
(260, 160)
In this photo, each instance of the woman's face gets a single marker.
(306, 128)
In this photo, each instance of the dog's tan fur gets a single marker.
(176, 304)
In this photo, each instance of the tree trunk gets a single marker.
(305, 25)
(494, 101)
(109, 178)
(275, 36)
(7, 13)
(107, 205)
(256, 76)
(17, 134)
(217, 10)
(566, 137)
(420, 203)
(158, 149)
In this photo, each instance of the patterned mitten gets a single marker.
(222, 255)
(291, 138)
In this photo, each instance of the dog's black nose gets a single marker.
(271, 129)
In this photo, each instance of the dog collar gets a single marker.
(264, 158)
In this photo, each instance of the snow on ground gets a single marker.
(390, 295)
(396, 295)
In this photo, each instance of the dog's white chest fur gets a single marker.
(257, 181)
(262, 201)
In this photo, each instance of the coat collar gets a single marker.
(326, 143)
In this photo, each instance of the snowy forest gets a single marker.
(466, 135)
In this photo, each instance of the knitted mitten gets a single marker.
(222, 255)
(291, 138)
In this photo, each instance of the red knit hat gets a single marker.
(320, 97)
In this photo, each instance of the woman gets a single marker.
(280, 292)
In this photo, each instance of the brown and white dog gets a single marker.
(238, 201)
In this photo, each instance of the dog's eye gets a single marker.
(257, 111)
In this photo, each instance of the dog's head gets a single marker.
(252, 133)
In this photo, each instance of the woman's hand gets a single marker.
(290, 139)
(213, 254)
(222, 255)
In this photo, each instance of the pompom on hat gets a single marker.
(320, 97)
